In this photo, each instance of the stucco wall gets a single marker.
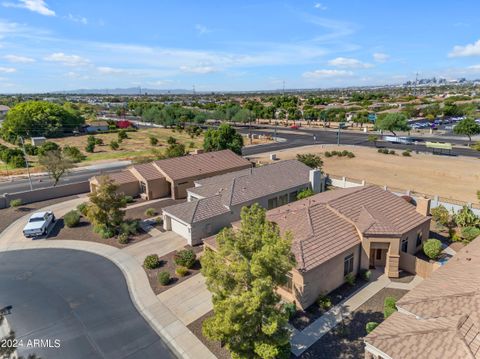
(158, 188)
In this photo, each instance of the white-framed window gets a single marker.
(348, 264)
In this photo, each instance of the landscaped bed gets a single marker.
(346, 341)
(303, 318)
(84, 232)
(139, 212)
(167, 264)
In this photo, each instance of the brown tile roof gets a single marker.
(197, 210)
(148, 171)
(121, 177)
(248, 185)
(444, 319)
(325, 225)
(202, 164)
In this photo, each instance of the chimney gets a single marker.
(197, 151)
(423, 206)
(315, 177)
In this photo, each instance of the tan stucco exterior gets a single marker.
(154, 188)
(128, 189)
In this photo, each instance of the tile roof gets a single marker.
(440, 318)
(324, 226)
(202, 164)
(197, 210)
(148, 171)
(121, 177)
(248, 185)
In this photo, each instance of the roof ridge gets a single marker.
(195, 210)
(429, 299)
(357, 189)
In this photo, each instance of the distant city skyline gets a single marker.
(53, 45)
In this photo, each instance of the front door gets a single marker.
(372, 258)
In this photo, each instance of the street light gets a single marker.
(26, 161)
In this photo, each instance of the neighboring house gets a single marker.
(96, 126)
(173, 176)
(216, 202)
(439, 318)
(3, 111)
(38, 141)
(343, 231)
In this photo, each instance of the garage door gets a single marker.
(181, 229)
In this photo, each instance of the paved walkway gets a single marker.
(162, 244)
(170, 328)
(301, 341)
(188, 300)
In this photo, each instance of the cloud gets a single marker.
(326, 73)
(202, 29)
(38, 6)
(105, 70)
(67, 60)
(18, 59)
(474, 68)
(348, 63)
(320, 6)
(380, 57)
(79, 19)
(7, 70)
(198, 69)
(467, 50)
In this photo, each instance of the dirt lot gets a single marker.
(449, 177)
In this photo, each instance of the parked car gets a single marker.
(39, 224)
(397, 139)
(294, 127)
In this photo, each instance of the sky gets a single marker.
(49, 45)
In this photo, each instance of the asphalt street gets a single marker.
(77, 298)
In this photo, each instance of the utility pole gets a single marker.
(338, 135)
(283, 91)
(415, 87)
(26, 161)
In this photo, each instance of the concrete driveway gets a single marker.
(161, 244)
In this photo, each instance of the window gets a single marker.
(405, 244)
(209, 228)
(283, 199)
(419, 238)
(143, 187)
(348, 264)
(293, 196)
(379, 254)
(272, 203)
(288, 286)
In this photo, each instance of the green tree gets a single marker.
(392, 122)
(46, 147)
(175, 150)
(56, 164)
(373, 138)
(114, 145)
(153, 140)
(467, 127)
(73, 153)
(225, 137)
(105, 209)
(39, 118)
(310, 159)
(243, 276)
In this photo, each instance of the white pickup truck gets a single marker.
(397, 139)
(39, 224)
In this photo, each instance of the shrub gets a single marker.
(366, 274)
(290, 309)
(153, 140)
(99, 141)
(470, 233)
(328, 154)
(30, 149)
(335, 153)
(17, 161)
(406, 153)
(16, 202)
(389, 307)
(185, 258)
(73, 153)
(164, 278)
(440, 215)
(171, 140)
(380, 150)
(350, 155)
(345, 153)
(104, 231)
(150, 212)
(305, 193)
(128, 199)
(324, 302)
(82, 208)
(370, 327)
(391, 152)
(90, 147)
(310, 159)
(72, 219)
(151, 261)
(122, 135)
(114, 145)
(181, 271)
(129, 227)
(350, 279)
(432, 248)
(123, 238)
(191, 144)
(46, 147)
(466, 218)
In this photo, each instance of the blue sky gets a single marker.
(226, 45)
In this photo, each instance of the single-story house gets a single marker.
(343, 231)
(216, 202)
(96, 126)
(173, 176)
(439, 318)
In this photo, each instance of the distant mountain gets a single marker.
(123, 91)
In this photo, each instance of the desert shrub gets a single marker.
(305, 193)
(328, 154)
(123, 238)
(310, 159)
(171, 140)
(191, 144)
(122, 135)
(440, 215)
(73, 153)
(90, 147)
(98, 141)
(114, 145)
(150, 212)
(151, 261)
(164, 278)
(389, 307)
(432, 248)
(181, 271)
(391, 152)
(30, 149)
(72, 219)
(104, 231)
(129, 227)
(82, 208)
(153, 140)
(128, 199)
(350, 279)
(350, 155)
(290, 309)
(335, 153)
(370, 327)
(345, 153)
(15, 202)
(466, 218)
(470, 233)
(406, 153)
(47, 147)
(324, 302)
(366, 274)
(185, 258)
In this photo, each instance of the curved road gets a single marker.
(79, 298)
